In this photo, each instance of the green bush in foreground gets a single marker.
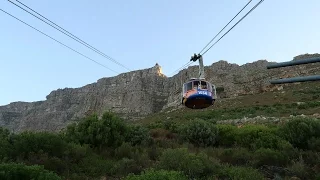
(192, 165)
(240, 173)
(299, 131)
(108, 131)
(12, 171)
(108, 147)
(200, 133)
(137, 135)
(157, 175)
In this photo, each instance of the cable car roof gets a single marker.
(197, 79)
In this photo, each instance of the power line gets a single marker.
(69, 34)
(226, 25)
(57, 40)
(234, 26)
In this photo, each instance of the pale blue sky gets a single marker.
(140, 33)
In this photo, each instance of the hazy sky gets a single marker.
(141, 33)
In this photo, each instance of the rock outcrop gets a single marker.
(135, 94)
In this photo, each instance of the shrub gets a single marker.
(259, 136)
(299, 131)
(154, 152)
(239, 173)
(156, 124)
(246, 136)
(109, 131)
(191, 164)
(234, 156)
(226, 135)
(125, 151)
(270, 140)
(94, 165)
(28, 142)
(4, 133)
(200, 133)
(126, 166)
(314, 144)
(151, 174)
(13, 171)
(50, 163)
(171, 126)
(310, 158)
(137, 135)
(5, 146)
(301, 170)
(270, 157)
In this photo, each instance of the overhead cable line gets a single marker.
(226, 25)
(57, 41)
(186, 65)
(217, 34)
(233, 26)
(67, 33)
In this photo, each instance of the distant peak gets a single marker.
(158, 69)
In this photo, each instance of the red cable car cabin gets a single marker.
(198, 94)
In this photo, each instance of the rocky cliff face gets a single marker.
(138, 93)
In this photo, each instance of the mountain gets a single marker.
(136, 94)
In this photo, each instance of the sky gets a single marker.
(141, 33)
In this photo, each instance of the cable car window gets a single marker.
(195, 84)
(187, 86)
(203, 85)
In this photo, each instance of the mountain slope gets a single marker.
(136, 94)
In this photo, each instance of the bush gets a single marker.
(5, 146)
(28, 142)
(259, 136)
(299, 169)
(299, 131)
(171, 126)
(137, 135)
(200, 133)
(154, 152)
(12, 171)
(157, 175)
(234, 156)
(310, 158)
(94, 166)
(314, 144)
(272, 141)
(239, 173)
(109, 131)
(4, 133)
(226, 135)
(126, 166)
(194, 166)
(270, 157)
(125, 151)
(50, 163)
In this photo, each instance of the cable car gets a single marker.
(198, 93)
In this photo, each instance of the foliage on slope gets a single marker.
(196, 148)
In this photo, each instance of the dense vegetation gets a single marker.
(198, 148)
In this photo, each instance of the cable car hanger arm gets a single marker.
(196, 57)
